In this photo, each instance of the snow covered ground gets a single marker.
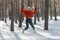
(52, 34)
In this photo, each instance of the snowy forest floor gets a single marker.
(52, 34)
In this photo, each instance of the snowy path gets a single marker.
(52, 34)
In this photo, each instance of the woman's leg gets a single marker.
(27, 25)
(32, 24)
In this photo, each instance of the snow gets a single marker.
(52, 34)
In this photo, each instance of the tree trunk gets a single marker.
(46, 14)
(42, 9)
(12, 16)
(55, 14)
(35, 2)
(12, 24)
(35, 19)
(21, 16)
(38, 15)
(2, 10)
(50, 10)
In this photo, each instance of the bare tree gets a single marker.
(35, 2)
(46, 14)
(42, 8)
(50, 9)
(0, 9)
(21, 16)
(12, 15)
(55, 14)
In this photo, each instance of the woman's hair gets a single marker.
(32, 8)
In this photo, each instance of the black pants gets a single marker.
(29, 21)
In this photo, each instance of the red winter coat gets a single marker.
(27, 13)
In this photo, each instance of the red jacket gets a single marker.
(27, 13)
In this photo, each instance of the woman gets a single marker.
(29, 12)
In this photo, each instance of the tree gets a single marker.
(35, 1)
(21, 16)
(38, 14)
(12, 15)
(50, 9)
(5, 10)
(55, 14)
(0, 10)
(46, 14)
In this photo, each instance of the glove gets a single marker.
(35, 8)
